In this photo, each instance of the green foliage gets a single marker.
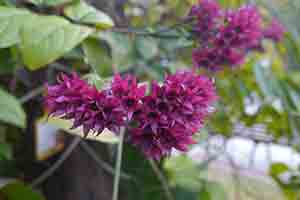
(19, 191)
(49, 2)
(86, 14)
(11, 110)
(11, 22)
(43, 46)
(97, 55)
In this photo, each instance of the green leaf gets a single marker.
(106, 136)
(277, 169)
(11, 110)
(84, 13)
(41, 46)
(5, 151)
(147, 47)
(19, 191)
(11, 22)
(7, 63)
(97, 55)
(122, 50)
(49, 2)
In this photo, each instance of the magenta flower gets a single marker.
(242, 28)
(207, 13)
(72, 98)
(226, 37)
(275, 31)
(172, 113)
(128, 91)
(166, 119)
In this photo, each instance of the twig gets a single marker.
(104, 165)
(58, 163)
(32, 94)
(118, 165)
(162, 179)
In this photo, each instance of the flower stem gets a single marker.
(118, 165)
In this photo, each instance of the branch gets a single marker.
(57, 164)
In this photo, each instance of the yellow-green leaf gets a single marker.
(47, 38)
(85, 13)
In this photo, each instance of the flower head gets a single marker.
(172, 113)
(72, 98)
(275, 31)
(207, 13)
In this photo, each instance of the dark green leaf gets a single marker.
(19, 191)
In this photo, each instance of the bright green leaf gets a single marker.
(47, 38)
(11, 110)
(11, 22)
(278, 168)
(84, 13)
(97, 55)
(19, 191)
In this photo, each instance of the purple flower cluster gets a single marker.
(226, 36)
(173, 113)
(165, 119)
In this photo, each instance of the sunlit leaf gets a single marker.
(87, 14)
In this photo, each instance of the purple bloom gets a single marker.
(226, 37)
(172, 113)
(166, 119)
(242, 28)
(128, 91)
(215, 58)
(207, 13)
(275, 31)
(72, 98)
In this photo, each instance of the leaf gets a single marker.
(11, 22)
(19, 191)
(41, 46)
(122, 50)
(11, 110)
(106, 136)
(147, 47)
(85, 13)
(7, 63)
(277, 169)
(5, 151)
(49, 2)
(98, 56)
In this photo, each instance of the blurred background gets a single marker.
(249, 148)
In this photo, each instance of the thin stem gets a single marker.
(58, 163)
(162, 179)
(118, 165)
